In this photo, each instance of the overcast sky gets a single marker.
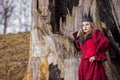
(20, 20)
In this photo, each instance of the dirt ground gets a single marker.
(14, 54)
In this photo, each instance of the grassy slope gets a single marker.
(14, 50)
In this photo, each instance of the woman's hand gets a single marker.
(92, 59)
(79, 33)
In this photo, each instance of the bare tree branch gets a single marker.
(8, 8)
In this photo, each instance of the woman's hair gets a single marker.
(92, 25)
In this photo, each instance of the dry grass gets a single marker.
(14, 54)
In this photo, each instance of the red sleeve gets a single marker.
(102, 44)
(76, 44)
(75, 35)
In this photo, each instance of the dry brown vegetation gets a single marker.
(14, 54)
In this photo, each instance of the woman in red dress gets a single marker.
(93, 45)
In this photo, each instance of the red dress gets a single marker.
(96, 46)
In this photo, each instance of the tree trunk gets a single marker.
(5, 21)
(52, 54)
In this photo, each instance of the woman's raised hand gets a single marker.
(80, 32)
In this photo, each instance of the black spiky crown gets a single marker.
(86, 17)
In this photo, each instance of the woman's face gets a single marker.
(86, 26)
